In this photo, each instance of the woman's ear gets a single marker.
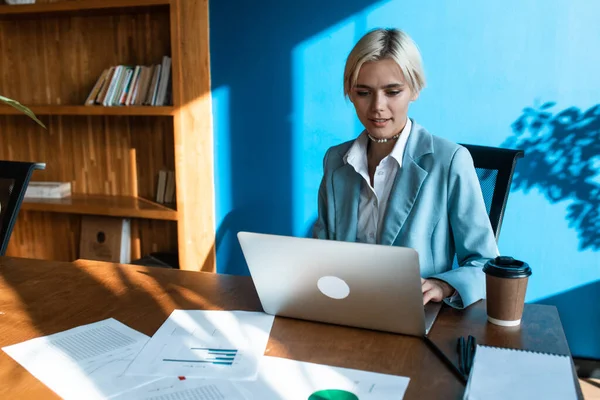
(414, 96)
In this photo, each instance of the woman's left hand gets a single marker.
(435, 290)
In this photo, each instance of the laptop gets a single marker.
(353, 284)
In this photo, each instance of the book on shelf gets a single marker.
(141, 90)
(104, 89)
(48, 190)
(127, 85)
(151, 95)
(161, 96)
(134, 82)
(105, 239)
(170, 187)
(165, 188)
(97, 87)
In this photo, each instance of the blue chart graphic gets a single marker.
(206, 355)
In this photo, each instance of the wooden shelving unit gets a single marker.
(91, 110)
(52, 54)
(110, 206)
(42, 7)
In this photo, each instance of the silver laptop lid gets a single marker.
(355, 284)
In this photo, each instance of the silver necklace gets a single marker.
(384, 140)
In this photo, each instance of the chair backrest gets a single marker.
(495, 167)
(14, 178)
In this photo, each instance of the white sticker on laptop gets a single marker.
(333, 287)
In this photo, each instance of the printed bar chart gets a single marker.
(205, 355)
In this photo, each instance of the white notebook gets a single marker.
(500, 373)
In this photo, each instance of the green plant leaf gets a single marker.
(21, 108)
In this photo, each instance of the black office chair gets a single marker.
(14, 178)
(495, 167)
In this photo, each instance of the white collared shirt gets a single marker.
(374, 199)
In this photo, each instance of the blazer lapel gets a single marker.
(407, 184)
(402, 198)
(346, 195)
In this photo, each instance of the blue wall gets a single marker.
(278, 105)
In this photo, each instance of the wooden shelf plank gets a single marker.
(78, 5)
(92, 110)
(113, 206)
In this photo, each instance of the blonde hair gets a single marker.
(380, 44)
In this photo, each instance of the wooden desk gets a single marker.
(44, 297)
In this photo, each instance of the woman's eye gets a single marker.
(362, 93)
(394, 92)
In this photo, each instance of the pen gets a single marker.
(471, 346)
(462, 355)
(445, 359)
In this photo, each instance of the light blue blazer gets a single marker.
(435, 207)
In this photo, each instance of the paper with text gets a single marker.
(281, 379)
(188, 389)
(284, 379)
(207, 344)
(84, 362)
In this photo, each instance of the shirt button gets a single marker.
(371, 235)
(381, 173)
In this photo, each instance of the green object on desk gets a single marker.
(333, 394)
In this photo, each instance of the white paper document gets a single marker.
(280, 379)
(284, 379)
(188, 389)
(500, 373)
(86, 362)
(206, 344)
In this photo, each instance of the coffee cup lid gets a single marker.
(507, 267)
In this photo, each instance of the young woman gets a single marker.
(397, 184)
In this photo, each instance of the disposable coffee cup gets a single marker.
(506, 284)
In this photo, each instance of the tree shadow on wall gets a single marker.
(562, 161)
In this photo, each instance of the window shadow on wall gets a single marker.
(563, 162)
(252, 45)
